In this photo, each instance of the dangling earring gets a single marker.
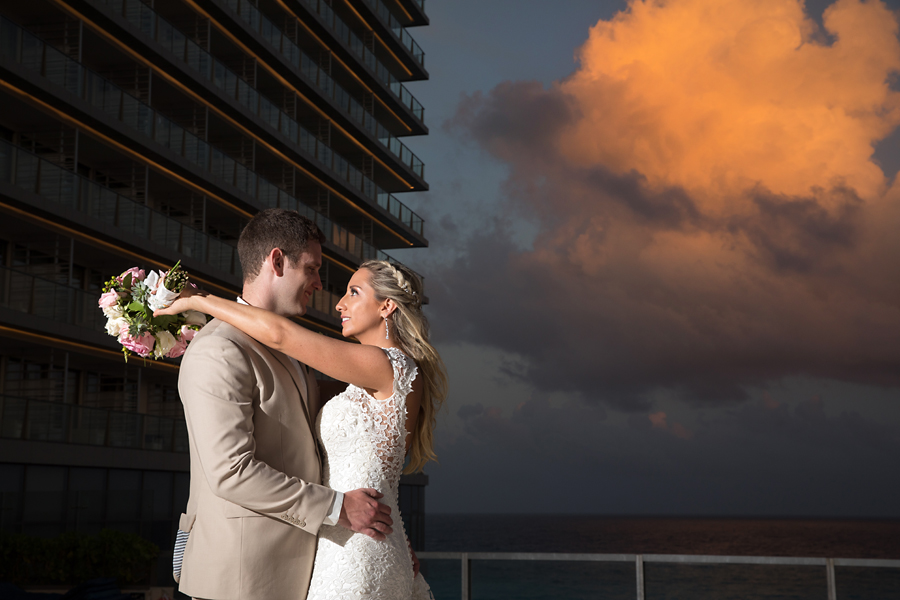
(387, 332)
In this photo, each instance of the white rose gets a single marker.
(114, 312)
(194, 317)
(115, 325)
(165, 341)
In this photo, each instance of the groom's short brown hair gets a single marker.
(275, 228)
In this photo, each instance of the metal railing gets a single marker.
(639, 560)
(37, 420)
(31, 52)
(346, 35)
(282, 43)
(399, 31)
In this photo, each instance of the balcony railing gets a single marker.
(148, 22)
(398, 30)
(41, 297)
(32, 53)
(61, 186)
(37, 420)
(281, 43)
(638, 560)
(346, 35)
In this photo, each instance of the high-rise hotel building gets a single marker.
(144, 132)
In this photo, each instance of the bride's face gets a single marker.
(360, 311)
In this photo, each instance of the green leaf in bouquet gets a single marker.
(164, 321)
(127, 282)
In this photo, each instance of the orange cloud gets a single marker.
(717, 97)
(709, 216)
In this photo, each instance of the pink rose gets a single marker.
(110, 298)
(184, 336)
(178, 349)
(136, 274)
(187, 333)
(141, 345)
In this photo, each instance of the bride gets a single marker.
(397, 383)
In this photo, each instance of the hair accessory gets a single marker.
(387, 332)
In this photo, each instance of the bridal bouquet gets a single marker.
(128, 301)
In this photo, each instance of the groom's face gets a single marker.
(300, 280)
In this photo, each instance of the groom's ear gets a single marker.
(278, 261)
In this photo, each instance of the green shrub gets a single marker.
(72, 558)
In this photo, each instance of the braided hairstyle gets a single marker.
(404, 287)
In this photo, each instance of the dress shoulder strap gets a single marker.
(405, 370)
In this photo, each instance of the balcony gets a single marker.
(368, 58)
(397, 30)
(134, 221)
(720, 575)
(36, 420)
(185, 50)
(279, 42)
(39, 421)
(143, 18)
(30, 52)
(40, 297)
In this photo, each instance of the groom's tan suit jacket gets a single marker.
(256, 502)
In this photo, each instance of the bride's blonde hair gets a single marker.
(403, 286)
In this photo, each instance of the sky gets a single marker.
(663, 269)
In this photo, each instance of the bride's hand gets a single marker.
(190, 299)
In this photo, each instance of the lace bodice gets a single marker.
(365, 438)
(364, 444)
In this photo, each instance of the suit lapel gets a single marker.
(301, 387)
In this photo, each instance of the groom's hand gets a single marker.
(361, 512)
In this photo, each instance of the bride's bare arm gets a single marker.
(364, 366)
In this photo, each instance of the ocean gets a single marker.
(495, 580)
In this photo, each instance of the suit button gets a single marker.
(302, 523)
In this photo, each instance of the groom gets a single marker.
(256, 502)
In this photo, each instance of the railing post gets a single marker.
(639, 575)
(832, 588)
(466, 576)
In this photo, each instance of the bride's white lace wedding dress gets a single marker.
(364, 443)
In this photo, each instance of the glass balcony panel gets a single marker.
(14, 411)
(19, 291)
(9, 39)
(89, 426)
(124, 430)
(158, 433)
(32, 52)
(47, 421)
(26, 171)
